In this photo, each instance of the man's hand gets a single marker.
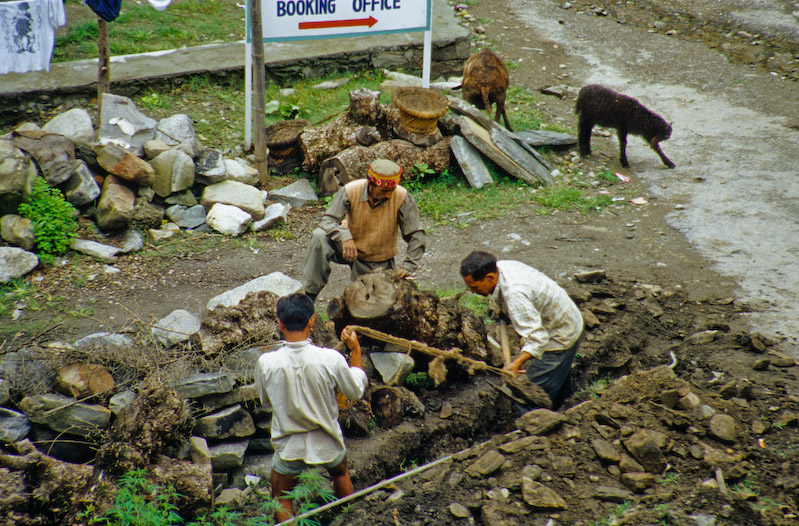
(402, 273)
(349, 337)
(514, 366)
(349, 251)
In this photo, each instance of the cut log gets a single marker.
(346, 130)
(364, 106)
(321, 142)
(353, 163)
(480, 138)
(387, 303)
(471, 163)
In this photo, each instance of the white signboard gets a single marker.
(307, 19)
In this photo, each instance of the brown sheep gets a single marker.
(601, 106)
(485, 81)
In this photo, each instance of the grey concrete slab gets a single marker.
(308, 58)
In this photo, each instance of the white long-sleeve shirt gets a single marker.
(541, 312)
(300, 381)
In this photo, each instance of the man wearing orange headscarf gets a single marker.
(360, 229)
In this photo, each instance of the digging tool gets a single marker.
(521, 386)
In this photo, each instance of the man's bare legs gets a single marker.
(282, 484)
(342, 485)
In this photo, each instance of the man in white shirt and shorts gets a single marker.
(300, 380)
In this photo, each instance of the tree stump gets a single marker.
(353, 163)
(387, 303)
(365, 122)
(364, 106)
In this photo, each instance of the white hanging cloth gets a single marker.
(160, 5)
(27, 34)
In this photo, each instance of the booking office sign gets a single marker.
(287, 20)
(307, 19)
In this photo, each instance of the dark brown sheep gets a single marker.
(601, 106)
(485, 81)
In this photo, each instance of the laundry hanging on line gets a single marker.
(27, 34)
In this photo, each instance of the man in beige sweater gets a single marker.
(376, 209)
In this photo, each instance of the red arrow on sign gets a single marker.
(339, 23)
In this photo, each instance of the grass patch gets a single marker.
(448, 195)
(216, 103)
(564, 197)
(140, 29)
(479, 305)
(13, 293)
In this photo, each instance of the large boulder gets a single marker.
(115, 208)
(15, 263)
(124, 125)
(174, 172)
(17, 173)
(75, 124)
(234, 193)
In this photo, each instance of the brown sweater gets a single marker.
(373, 229)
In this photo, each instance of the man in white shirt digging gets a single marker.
(548, 321)
(299, 380)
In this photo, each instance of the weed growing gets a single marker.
(618, 512)
(54, 223)
(139, 502)
(419, 380)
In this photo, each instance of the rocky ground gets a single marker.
(714, 437)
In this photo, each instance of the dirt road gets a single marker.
(734, 193)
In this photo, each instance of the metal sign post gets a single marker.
(285, 20)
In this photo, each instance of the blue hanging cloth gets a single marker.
(108, 10)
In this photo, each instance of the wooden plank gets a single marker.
(520, 155)
(471, 163)
(480, 139)
(462, 107)
(546, 138)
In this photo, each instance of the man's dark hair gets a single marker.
(294, 311)
(478, 264)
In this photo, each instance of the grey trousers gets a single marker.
(321, 251)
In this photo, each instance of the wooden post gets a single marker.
(103, 67)
(259, 110)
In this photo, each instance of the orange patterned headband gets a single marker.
(384, 181)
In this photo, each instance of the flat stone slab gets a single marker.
(276, 282)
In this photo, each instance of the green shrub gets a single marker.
(54, 223)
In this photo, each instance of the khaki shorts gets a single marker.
(295, 467)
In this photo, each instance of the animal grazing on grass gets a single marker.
(601, 106)
(485, 81)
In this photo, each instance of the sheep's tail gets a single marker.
(484, 92)
(578, 108)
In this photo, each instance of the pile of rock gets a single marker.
(132, 174)
(75, 413)
(671, 451)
